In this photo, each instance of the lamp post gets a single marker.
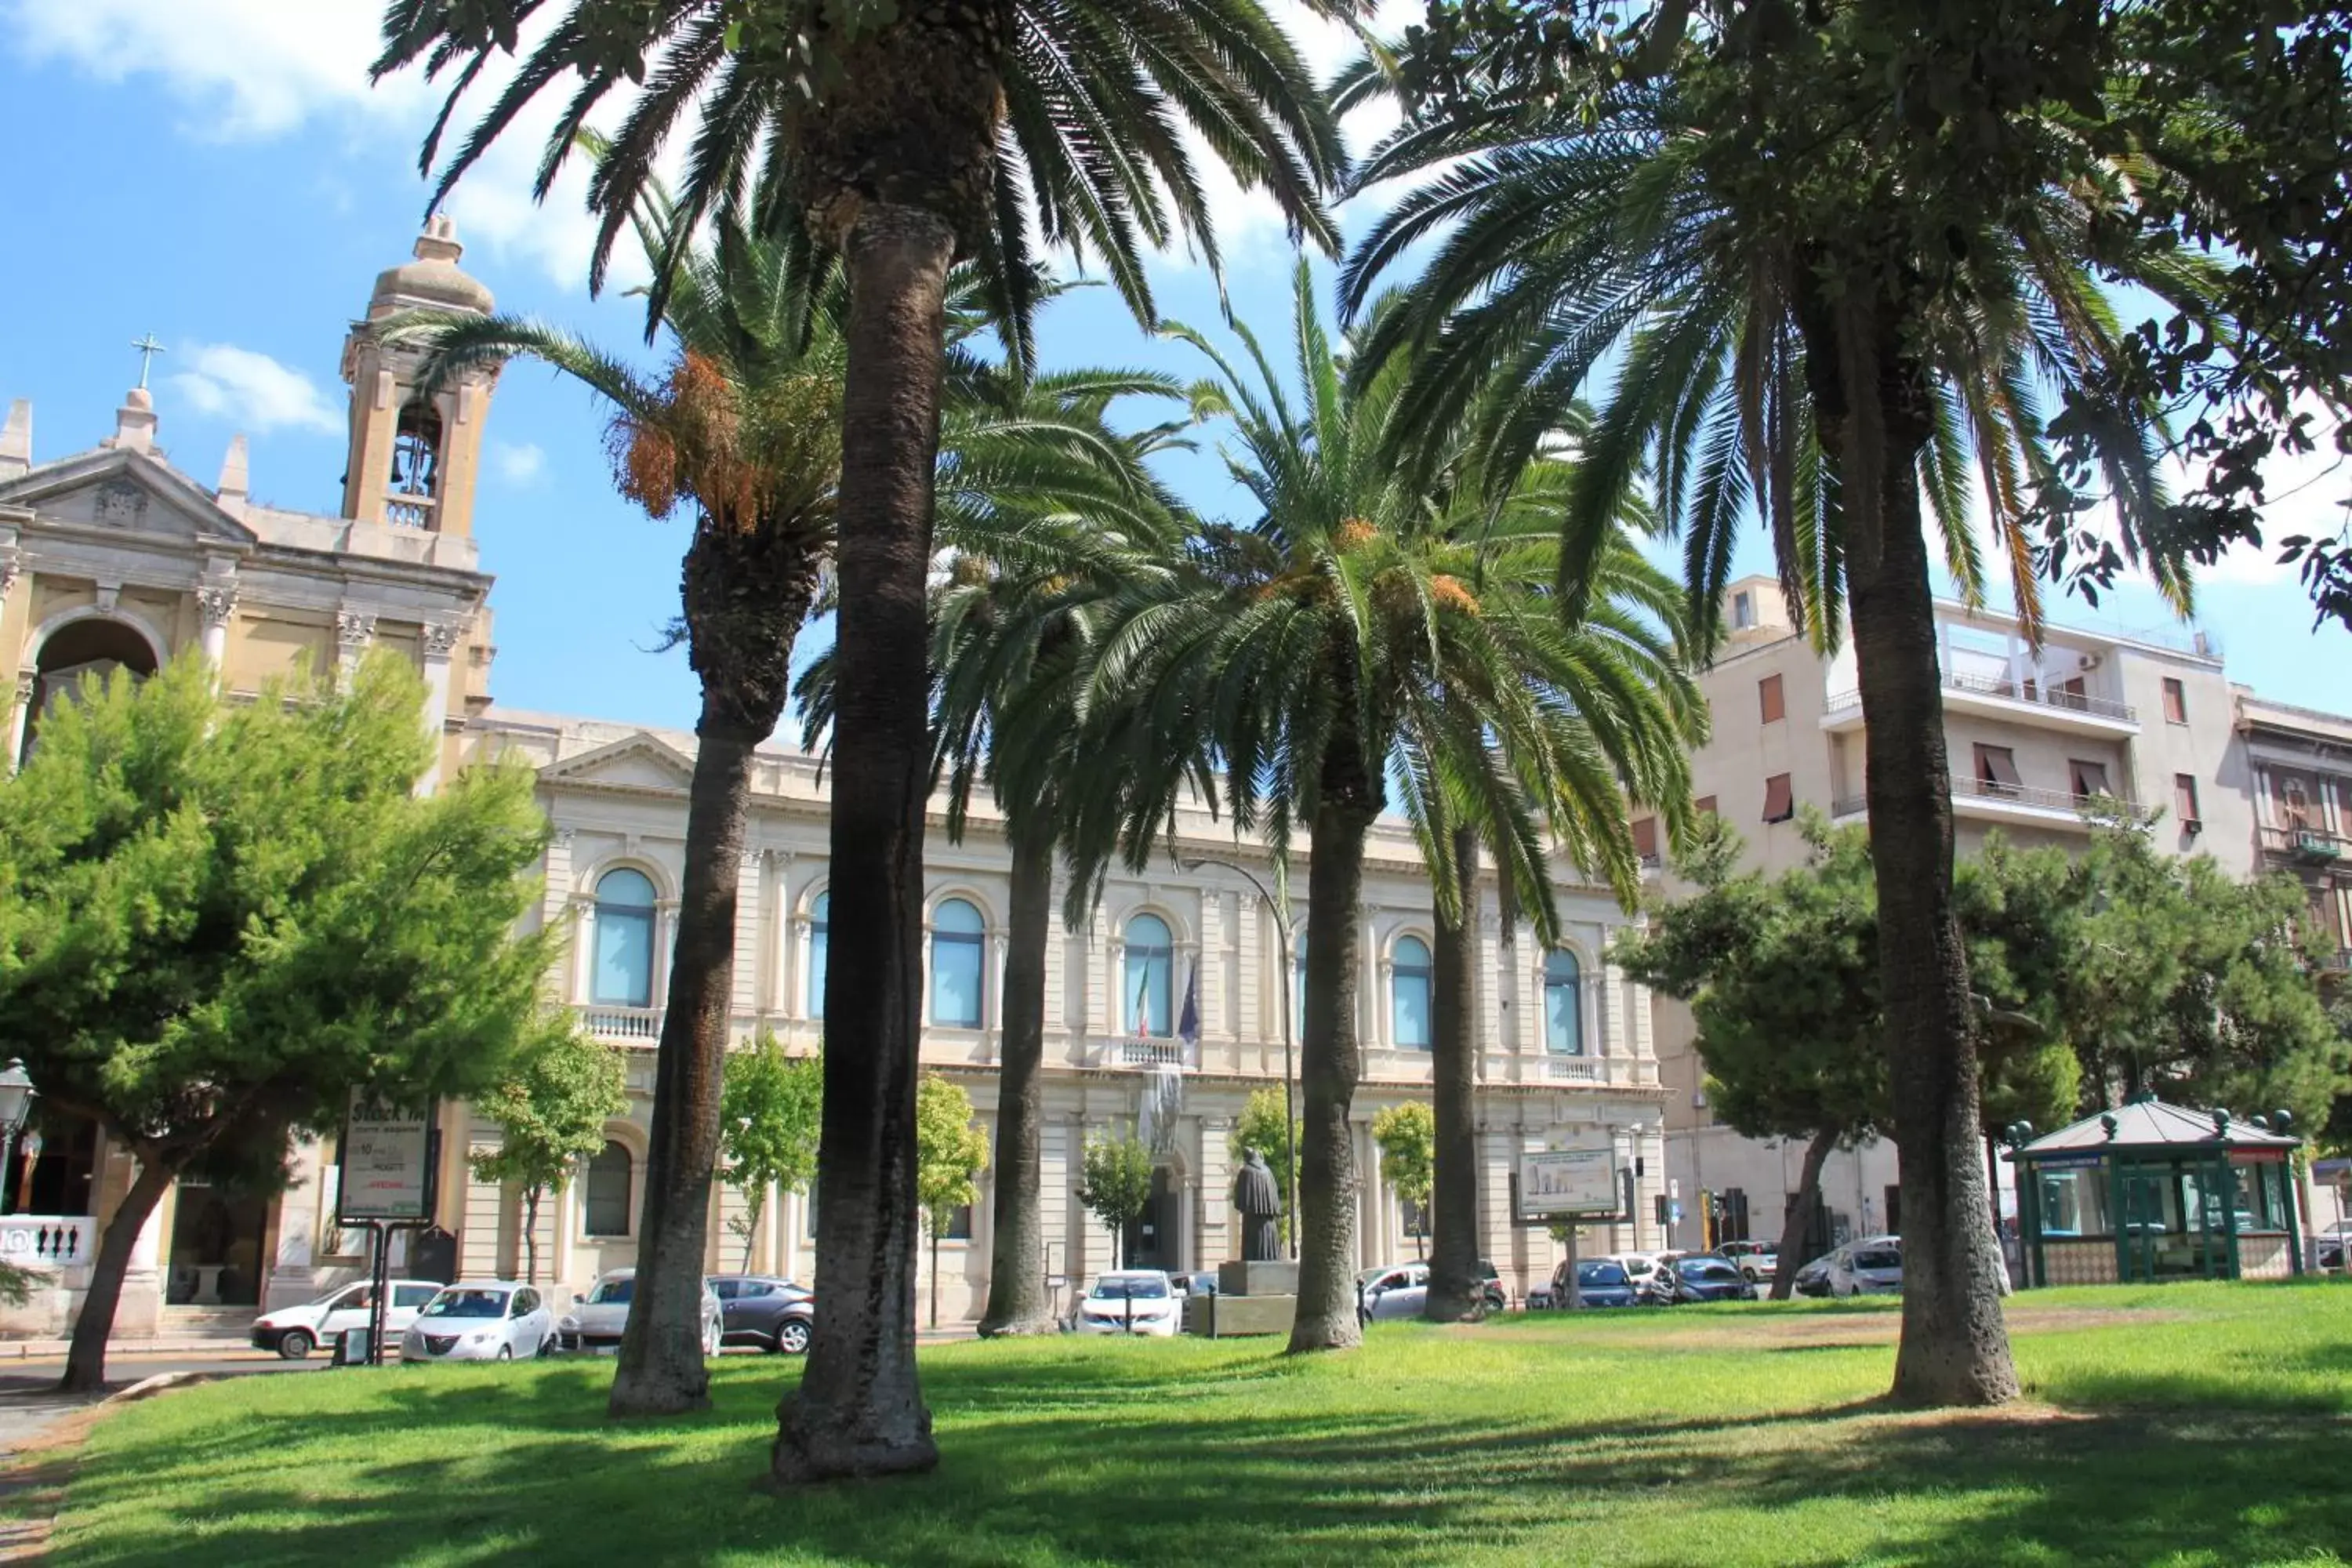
(16, 1094)
(1282, 934)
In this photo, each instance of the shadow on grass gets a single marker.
(1108, 1459)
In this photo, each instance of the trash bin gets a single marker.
(351, 1348)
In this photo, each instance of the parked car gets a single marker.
(764, 1311)
(1871, 1267)
(1599, 1282)
(1130, 1301)
(483, 1320)
(1641, 1268)
(1759, 1260)
(1497, 1299)
(597, 1321)
(295, 1331)
(1813, 1279)
(1194, 1281)
(1707, 1276)
(2333, 1242)
(1393, 1290)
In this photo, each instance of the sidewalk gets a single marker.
(161, 1344)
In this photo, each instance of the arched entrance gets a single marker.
(1156, 1238)
(95, 645)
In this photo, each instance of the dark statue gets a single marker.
(1259, 1203)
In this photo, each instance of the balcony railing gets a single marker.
(2011, 691)
(623, 1025)
(2336, 963)
(51, 1242)
(1127, 1051)
(2312, 845)
(1978, 789)
(1575, 1069)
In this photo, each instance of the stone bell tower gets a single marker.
(414, 460)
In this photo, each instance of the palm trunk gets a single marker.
(858, 1409)
(86, 1356)
(662, 1371)
(1455, 1291)
(1954, 1346)
(1331, 1056)
(1800, 1222)
(1016, 1269)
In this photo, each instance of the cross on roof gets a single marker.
(148, 349)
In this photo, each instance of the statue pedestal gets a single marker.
(1266, 1278)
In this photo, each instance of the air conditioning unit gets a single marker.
(2091, 661)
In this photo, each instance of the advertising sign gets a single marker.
(386, 1163)
(1561, 1183)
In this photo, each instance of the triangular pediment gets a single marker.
(111, 488)
(641, 760)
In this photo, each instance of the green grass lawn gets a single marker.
(2192, 1424)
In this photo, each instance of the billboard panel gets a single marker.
(1560, 1183)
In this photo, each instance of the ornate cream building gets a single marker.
(116, 556)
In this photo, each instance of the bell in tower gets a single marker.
(414, 459)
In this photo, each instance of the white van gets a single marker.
(295, 1331)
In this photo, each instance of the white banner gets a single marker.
(386, 1157)
(1569, 1182)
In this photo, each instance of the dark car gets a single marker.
(1497, 1299)
(1599, 1283)
(1813, 1279)
(764, 1310)
(1704, 1276)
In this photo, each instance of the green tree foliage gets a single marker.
(768, 1119)
(2182, 980)
(950, 1155)
(1260, 1127)
(217, 920)
(550, 1110)
(1117, 1188)
(1407, 1135)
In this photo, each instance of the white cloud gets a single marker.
(252, 391)
(252, 69)
(517, 465)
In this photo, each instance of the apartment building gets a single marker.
(2033, 735)
(2302, 765)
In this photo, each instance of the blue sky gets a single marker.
(219, 172)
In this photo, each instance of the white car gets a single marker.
(1866, 1267)
(597, 1319)
(295, 1331)
(485, 1320)
(1641, 1268)
(1131, 1301)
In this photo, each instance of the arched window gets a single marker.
(606, 1191)
(2297, 802)
(1150, 990)
(959, 945)
(416, 452)
(820, 915)
(1563, 1004)
(624, 940)
(1409, 995)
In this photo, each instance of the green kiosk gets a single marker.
(2149, 1191)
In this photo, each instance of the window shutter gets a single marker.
(2090, 778)
(1645, 837)
(1997, 766)
(1779, 800)
(1769, 700)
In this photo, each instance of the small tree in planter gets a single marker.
(1118, 1185)
(769, 1113)
(949, 1153)
(551, 1112)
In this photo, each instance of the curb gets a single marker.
(180, 1344)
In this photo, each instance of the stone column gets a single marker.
(1057, 965)
(583, 949)
(665, 938)
(1217, 1240)
(992, 991)
(217, 604)
(440, 641)
(1491, 994)
(750, 906)
(562, 1209)
(298, 1214)
(28, 683)
(354, 632)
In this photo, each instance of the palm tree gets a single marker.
(1833, 370)
(743, 429)
(908, 135)
(1335, 644)
(1013, 615)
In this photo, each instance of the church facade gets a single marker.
(1164, 1013)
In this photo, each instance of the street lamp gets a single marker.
(1282, 934)
(16, 1093)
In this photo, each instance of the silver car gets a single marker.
(487, 1320)
(597, 1321)
(1869, 1267)
(1396, 1291)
